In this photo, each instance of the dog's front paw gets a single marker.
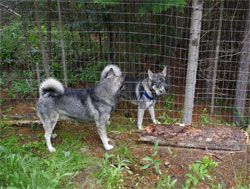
(140, 127)
(52, 149)
(108, 147)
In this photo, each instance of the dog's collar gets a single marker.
(149, 94)
(146, 95)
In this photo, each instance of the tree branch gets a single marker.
(10, 10)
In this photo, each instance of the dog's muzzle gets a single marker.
(167, 89)
(164, 89)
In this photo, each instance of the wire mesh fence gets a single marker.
(74, 40)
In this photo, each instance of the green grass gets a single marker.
(26, 163)
(24, 166)
(124, 151)
(119, 127)
(112, 171)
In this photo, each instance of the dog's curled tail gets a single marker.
(116, 69)
(51, 87)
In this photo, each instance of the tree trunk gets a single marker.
(216, 58)
(44, 54)
(38, 75)
(242, 79)
(62, 45)
(74, 46)
(192, 60)
(1, 18)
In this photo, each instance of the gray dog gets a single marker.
(97, 103)
(143, 92)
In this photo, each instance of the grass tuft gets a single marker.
(22, 168)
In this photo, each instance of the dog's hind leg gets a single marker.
(48, 132)
(151, 110)
(49, 124)
(54, 135)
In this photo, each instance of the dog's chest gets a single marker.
(145, 103)
(150, 103)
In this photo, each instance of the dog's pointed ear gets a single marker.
(110, 73)
(150, 75)
(164, 72)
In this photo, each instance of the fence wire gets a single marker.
(136, 36)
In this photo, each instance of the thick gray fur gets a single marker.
(93, 104)
(144, 92)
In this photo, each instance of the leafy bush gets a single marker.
(91, 72)
(24, 87)
(12, 43)
(160, 6)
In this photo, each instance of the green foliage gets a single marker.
(166, 119)
(169, 106)
(22, 168)
(227, 108)
(207, 163)
(166, 182)
(111, 173)
(171, 153)
(242, 120)
(106, 3)
(91, 72)
(152, 161)
(28, 164)
(170, 103)
(200, 171)
(117, 128)
(124, 152)
(205, 120)
(157, 7)
(79, 46)
(24, 87)
(12, 45)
